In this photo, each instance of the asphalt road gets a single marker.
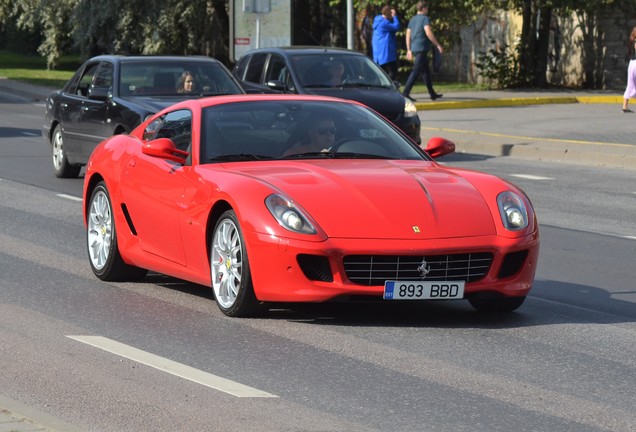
(97, 356)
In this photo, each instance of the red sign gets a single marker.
(241, 41)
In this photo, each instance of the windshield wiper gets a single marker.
(350, 155)
(362, 84)
(238, 158)
(334, 155)
(211, 93)
(310, 155)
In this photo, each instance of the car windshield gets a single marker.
(292, 129)
(175, 78)
(357, 70)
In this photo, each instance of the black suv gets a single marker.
(306, 70)
(111, 95)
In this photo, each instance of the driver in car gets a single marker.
(321, 136)
(336, 71)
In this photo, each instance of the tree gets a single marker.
(123, 26)
(50, 17)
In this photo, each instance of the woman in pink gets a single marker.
(630, 91)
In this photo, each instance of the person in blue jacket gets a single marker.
(385, 26)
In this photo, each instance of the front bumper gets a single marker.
(278, 275)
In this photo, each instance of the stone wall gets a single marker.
(584, 52)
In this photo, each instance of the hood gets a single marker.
(388, 102)
(153, 104)
(380, 198)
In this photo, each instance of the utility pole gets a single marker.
(351, 30)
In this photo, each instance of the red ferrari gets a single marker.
(281, 198)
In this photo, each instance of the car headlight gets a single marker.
(512, 209)
(410, 110)
(288, 215)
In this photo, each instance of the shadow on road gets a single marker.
(550, 303)
(11, 132)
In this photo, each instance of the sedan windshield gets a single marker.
(175, 78)
(293, 130)
(329, 70)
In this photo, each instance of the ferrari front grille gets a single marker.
(373, 270)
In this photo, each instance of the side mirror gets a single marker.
(277, 85)
(438, 147)
(99, 93)
(164, 148)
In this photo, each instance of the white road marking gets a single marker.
(70, 197)
(172, 367)
(531, 177)
(630, 237)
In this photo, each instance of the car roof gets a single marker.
(225, 99)
(306, 49)
(140, 58)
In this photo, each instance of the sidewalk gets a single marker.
(17, 417)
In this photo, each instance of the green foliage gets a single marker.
(122, 26)
(202, 26)
(32, 69)
(500, 66)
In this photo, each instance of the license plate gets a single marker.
(429, 290)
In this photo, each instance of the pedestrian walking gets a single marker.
(630, 91)
(366, 31)
(385, 26)
(419, 41)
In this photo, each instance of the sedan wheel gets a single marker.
(60, 163)
(103, 252)
(230, 270)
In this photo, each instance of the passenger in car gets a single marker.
(185, 84)
(320, 137)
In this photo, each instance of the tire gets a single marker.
(101, 240)
(497, 305)
(61, 167)
(230, 269)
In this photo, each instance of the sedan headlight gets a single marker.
(410, 110)
(288, 215)
(512, 209)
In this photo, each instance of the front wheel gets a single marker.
(230, 269)
(101, 238)
(497, 305)
(61, 166)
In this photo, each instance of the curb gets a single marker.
(508, 102)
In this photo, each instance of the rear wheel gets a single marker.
(101, 237)
(61, 166)
(504, 304)
(230, 269)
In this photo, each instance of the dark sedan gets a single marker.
(332, 72)
(110, 95)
